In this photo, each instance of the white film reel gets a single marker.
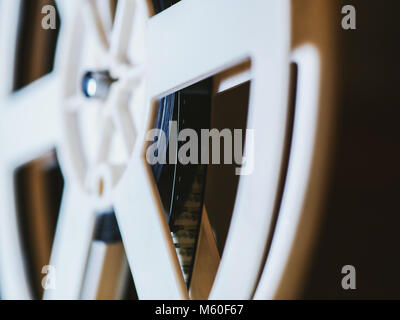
(101, 143)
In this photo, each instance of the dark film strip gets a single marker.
(161, 5)
(181, 187)
(106, 229)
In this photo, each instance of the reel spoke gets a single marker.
(121, 32)
(30, 121)
(146, 236)
(105, 9)
(8, 46)
(71, 244)
(97, 26)
(105, 140)
(128, 45)
(291, 213)
(123, 122)
(14, 280)
(67, 9)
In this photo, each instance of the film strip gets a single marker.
(181, 186)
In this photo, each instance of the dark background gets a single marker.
(361, 224)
